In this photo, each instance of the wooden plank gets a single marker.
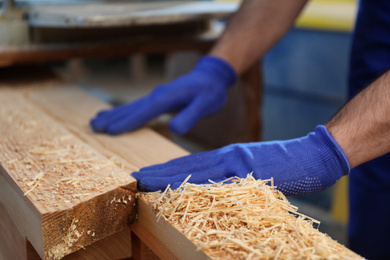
(11, 241)
(74, 108)
(162, 238)
(58, 190)
(124, 14)
(141, 148)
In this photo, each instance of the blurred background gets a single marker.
(303, 79)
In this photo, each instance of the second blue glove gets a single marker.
(200, 93)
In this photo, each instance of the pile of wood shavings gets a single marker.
(244, 219)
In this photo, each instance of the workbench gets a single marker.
(71, 108)
(66, 192)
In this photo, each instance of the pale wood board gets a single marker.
(162, 238)
(74, 108)
(34, 145)
(141, 148)
(125, 14)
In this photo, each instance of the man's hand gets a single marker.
(200, 93)
(299, 166)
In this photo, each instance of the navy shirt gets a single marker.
(369, 189)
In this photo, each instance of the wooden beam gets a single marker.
(61, 193)
(162, 238)
(141, 148)
(74, 108)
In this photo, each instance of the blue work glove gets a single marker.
(197, 94)
(299, 166)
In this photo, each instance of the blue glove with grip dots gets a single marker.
(197, 94)
(299, 166)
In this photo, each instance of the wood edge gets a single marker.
(162, 238)
(26, 216)
(94, 220)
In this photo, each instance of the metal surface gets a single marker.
(126, 14)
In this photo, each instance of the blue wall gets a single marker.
(305, 82)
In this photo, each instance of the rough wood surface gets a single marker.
(66, 105)
(141, 148)
(124, 14)
(62, 194)
(135, 150)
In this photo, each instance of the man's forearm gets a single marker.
(254, 29)
(362, 127)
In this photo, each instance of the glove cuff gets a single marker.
(333, 148)
(320, 163)
(217, 66)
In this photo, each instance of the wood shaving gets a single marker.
(36, 180)
(244, 219)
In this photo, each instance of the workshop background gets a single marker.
(304, 77)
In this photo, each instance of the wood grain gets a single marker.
(135, 150)
(62, 194)
(162, 238)
(141, 148)
(71, 108)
